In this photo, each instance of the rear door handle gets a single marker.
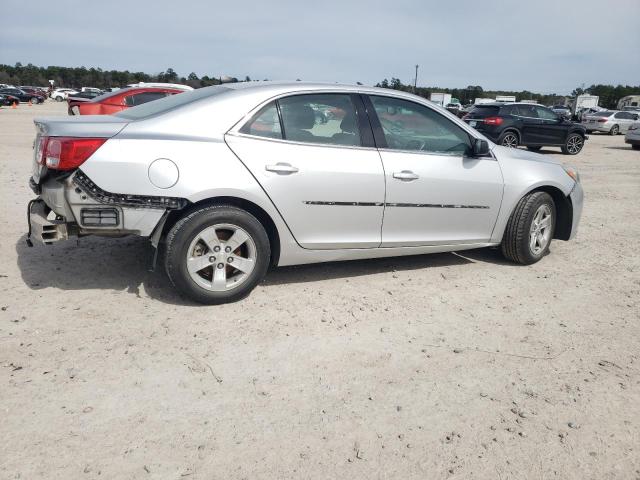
(284, 168)
(405, 175)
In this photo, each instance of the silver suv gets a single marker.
(228, 181)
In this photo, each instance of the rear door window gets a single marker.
(142, 98)
(326, 118)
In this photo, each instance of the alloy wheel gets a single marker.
(574, 144)
(540, 231)
(221, 257)
(510, 140)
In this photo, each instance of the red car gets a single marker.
(114, 102)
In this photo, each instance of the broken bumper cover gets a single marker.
(82, 208)
(41, 228)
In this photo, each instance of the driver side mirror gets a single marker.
(480, 148)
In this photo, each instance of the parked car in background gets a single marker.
(7, 100)
(610, 121)
(525, 124)
(633, 136)
(454, 108)
(235, 179)
(22, 95)
(562, 111)
(35, 91)
(114, 102)
(60, 94)
(75, 99)
(582, 113)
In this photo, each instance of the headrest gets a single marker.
(298, 116)
(348, 123)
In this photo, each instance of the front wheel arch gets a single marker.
(564, 210)
(263, 217)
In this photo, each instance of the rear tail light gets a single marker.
(602, 120)
(67, 153)
(493, 121)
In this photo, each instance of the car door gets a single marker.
(623, 120)
(314, 155)
(530, 124)
(436, 193)
(553, 128)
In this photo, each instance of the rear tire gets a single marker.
(614, 130)
(530, 229)
(635, 147)
(59, 99)
(573, 145)
(35, 100)
(509, 139)
(200, 266)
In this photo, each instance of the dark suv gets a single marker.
(532, 126)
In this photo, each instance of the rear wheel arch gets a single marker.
(261, 215)
(511, 130)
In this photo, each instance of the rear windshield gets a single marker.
(485, 110)
(104, 96)
(606, 113)
(169, 103)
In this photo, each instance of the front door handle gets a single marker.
(405, 175)
(284, 168)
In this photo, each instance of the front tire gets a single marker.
(59, 99)
(509, 139)
(35, 100)
(573, 145)
(614, 130)
(635, 147)
(530, 229)
(217, 254)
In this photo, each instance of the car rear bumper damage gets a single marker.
(75, 206)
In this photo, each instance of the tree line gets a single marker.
(76, 77)
(609, 94)
(29, 74)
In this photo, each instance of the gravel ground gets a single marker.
(438, 366)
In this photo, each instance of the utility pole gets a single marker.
(415, 80)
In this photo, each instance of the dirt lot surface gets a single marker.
(442, 366)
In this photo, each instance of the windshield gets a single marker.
(169, 103)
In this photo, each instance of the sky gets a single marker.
(545, 46)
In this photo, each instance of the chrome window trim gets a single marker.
(294, 142)
(352, 147)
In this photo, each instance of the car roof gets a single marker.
(500, 104)
(274, 88)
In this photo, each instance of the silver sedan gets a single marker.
(231, 180)
(609, 121)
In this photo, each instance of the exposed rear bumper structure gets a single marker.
(41, 228)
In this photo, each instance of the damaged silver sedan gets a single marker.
(228, 181)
